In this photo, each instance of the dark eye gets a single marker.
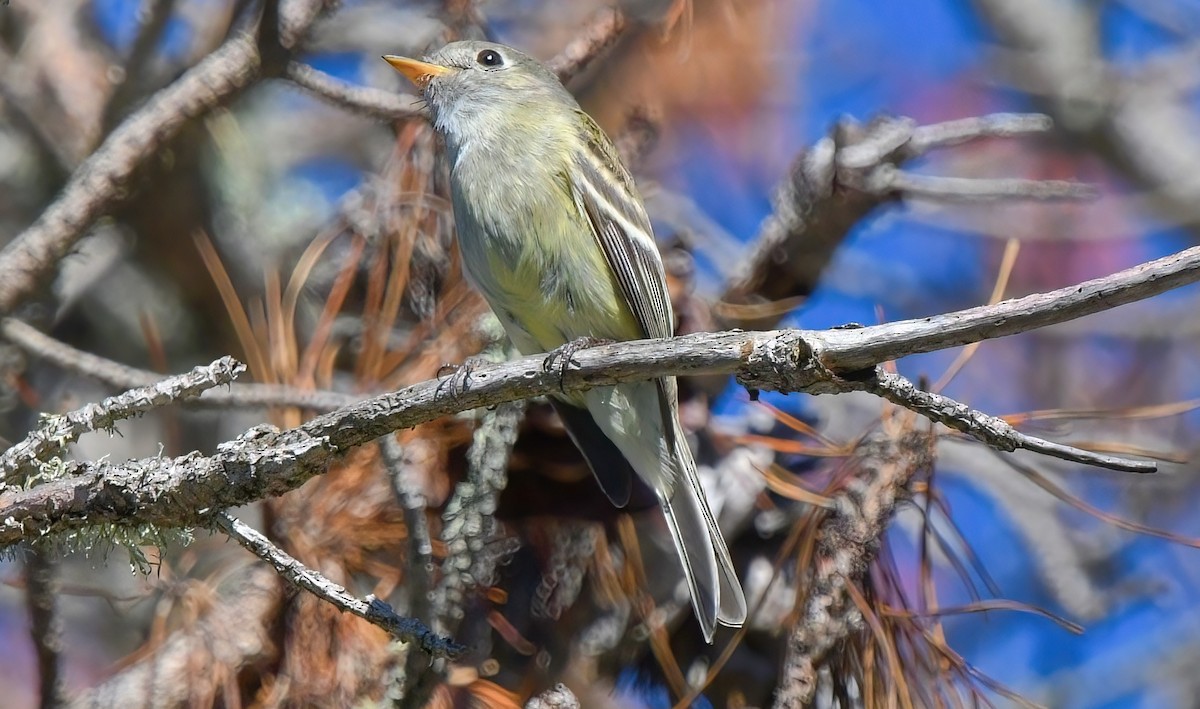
(489, 57)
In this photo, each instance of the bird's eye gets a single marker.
(490, 58)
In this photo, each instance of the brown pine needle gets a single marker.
(1119, 522)
(256, 359)
(660, 643)
(801, 427)
(751, 312)
(785, 445)
(884, 640)
(998, 604)
(783, 482)
(1149, 411)
(333, 305)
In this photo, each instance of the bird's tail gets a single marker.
(717, 597)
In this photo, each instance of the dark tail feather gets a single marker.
(609, 466)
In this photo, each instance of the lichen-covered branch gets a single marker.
(180, 492)
(57, 431)
(847, 543)
(993, 431)
(469, 524)
(372, 609)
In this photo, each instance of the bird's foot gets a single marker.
(563, 357)
(455, 379)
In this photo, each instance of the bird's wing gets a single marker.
(605, 194)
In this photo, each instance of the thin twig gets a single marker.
(889, 179)
(602, 30)
(121, 376)
(368, 101)
(45, 626)
(371, 609)
(55, 433)
(836, 182)
(949, 134)
(991, 430)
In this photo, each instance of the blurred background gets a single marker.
(315, 243)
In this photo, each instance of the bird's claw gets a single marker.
(563, 357)
(455, 379)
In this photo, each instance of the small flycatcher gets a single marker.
(554, 234)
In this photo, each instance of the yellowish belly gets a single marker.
(555, 295)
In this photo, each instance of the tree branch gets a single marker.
(841, 178)
(603, 29)
(97, 183)
(847, 542)
(372, 610)
(993, 431)
(51, 437)
(469, 524)
(183, 491)
(365, 100)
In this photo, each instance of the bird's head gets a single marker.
(476, 89)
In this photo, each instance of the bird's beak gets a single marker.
(420, 73)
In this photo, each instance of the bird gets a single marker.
(553, 233)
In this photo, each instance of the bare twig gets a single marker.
(38, 344)
(949, 134)
(848, 541)
(171, 491)
(45, 626)
(50, 438)
(889, 179)
(602, 31)
(991, 430)
(841, 178)
(372, 609)
(376, 103)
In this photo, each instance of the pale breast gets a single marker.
(537, 263)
